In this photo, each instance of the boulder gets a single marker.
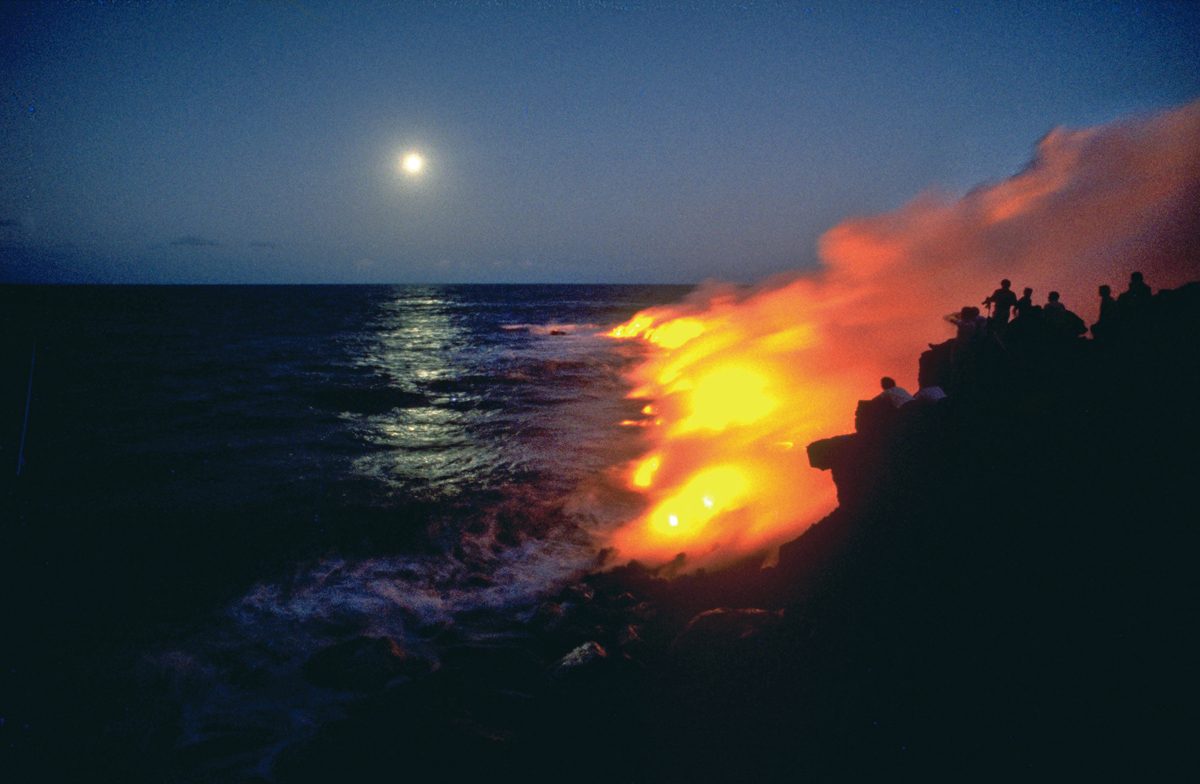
(730, 661)
(629, 636)
(549, 615)
(360, 664)
(724, 623)
(584, 659)
(581, 593)
(726, 639)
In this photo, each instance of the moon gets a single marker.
(412, 163)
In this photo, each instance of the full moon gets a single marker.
(412, 163)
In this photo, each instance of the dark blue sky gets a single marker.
(582, 141)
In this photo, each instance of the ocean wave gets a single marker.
(455, 462)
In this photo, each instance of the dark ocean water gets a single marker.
(218, 481)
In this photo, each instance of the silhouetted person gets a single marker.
(1002, 301)
(894, 395)
(1108, 305)
(971, 326)
(1060, 321)
(1108, 314)
(968, 343)
(1025, 304)
(1027, 328)
(1136, 297)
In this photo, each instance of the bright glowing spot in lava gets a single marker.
(696, 499)
(644, 474)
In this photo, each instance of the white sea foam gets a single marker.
(533, 541)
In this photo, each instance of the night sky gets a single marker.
(562, 142)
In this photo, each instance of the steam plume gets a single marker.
(741, 381)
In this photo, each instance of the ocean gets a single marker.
(217, 481)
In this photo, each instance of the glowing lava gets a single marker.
(734, 381)
(738, 382)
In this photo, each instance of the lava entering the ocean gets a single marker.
(739, 382)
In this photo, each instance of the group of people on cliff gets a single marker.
(1130, 308)
(1051, 320)
(1017, 320)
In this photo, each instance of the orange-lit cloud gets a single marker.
(741, 381)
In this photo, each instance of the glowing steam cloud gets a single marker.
(738, 382)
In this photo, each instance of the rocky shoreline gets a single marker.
(1005, 589)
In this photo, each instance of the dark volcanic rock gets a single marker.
(505, 666)
(549, 615)
(1000, 594)
(629, 636)
(723, 637)
(723, 623)
(1006, 567)
(585, 659)
(361, 664)
(581, 593)
(824, 454)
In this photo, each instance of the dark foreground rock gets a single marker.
(1006, 591)
(361, 664)
(585, 659)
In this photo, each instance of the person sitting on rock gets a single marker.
(1002, 301)
(971, 326)
(896, 396)
(969, 340)
(1060, 321)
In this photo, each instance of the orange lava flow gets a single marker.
(739, 382)
(737, 386)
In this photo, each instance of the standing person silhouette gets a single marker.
(1108, 305)
(1025, 303)
(1002, 300)
(1108, 314)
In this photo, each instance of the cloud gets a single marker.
(193, 241)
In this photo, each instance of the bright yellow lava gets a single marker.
(726, 404)
(672, 334)
(728, 395)
(412, 163)
(704, 496)
(646, 469)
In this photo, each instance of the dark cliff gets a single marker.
(1010, 571)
